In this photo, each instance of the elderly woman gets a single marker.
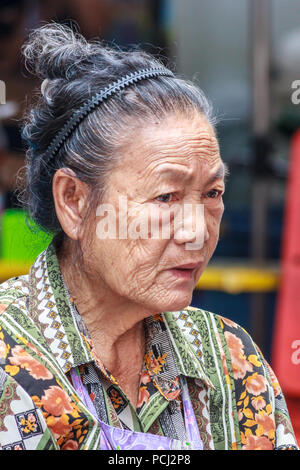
(99, 347)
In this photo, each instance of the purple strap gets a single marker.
(112, 438)
(191, 426)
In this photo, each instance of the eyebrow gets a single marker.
(221, 173)
(175, 171)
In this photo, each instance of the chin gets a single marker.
(178, 302)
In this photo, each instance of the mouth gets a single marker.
(190, 265)
(186, 271)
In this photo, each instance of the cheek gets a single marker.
(213, 219)
(138, 269)
(144, 244)
(125, 234)
(133, 263)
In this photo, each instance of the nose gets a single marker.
(191, 228)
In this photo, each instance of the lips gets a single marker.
(189, 266)
(185, 272)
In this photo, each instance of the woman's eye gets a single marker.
(214, 193)
(165, 197)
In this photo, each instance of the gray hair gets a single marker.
(73, 70)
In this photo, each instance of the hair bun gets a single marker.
(52, 49)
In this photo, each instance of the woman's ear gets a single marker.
(70, 195)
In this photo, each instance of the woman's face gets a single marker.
(170, 171)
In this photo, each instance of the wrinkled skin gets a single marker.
(139, 269)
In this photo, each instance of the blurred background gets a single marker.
(245, 55)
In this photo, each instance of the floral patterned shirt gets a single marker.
(237, 401)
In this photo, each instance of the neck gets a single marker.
(114, 323)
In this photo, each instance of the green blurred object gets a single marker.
(18, 242)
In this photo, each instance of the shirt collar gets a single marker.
(186, 344)
(50, 306)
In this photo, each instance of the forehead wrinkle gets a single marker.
(176, 161)
(173, 171)
(169, 169)
(207, 149)
(185, 141)
(173, 145)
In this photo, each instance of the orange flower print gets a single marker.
(116, 398)
(56, 401)
(256, 384)
(224, 362)
(12, 370)
(3, 349)
(35, 349)
(145, 378)
(144, 396)
(229, 322)
(21, 358)
(240, 365)
(158, 317)
(59, 426)
(275, 383)
(70, 445)
(155, 364)
(266, 425)
(29, 424)
(173, 395)
(258, 443)
(258, 403)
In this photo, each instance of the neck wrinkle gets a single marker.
(116, 329)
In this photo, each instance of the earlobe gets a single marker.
(69, 194)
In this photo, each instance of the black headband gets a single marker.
(95, 101)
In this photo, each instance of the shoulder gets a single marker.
(13, 291)
(241, 358)
(256, 397)
(196, 313)
(234, 346)
(14, 307)
(233, 334)
(18, 331)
